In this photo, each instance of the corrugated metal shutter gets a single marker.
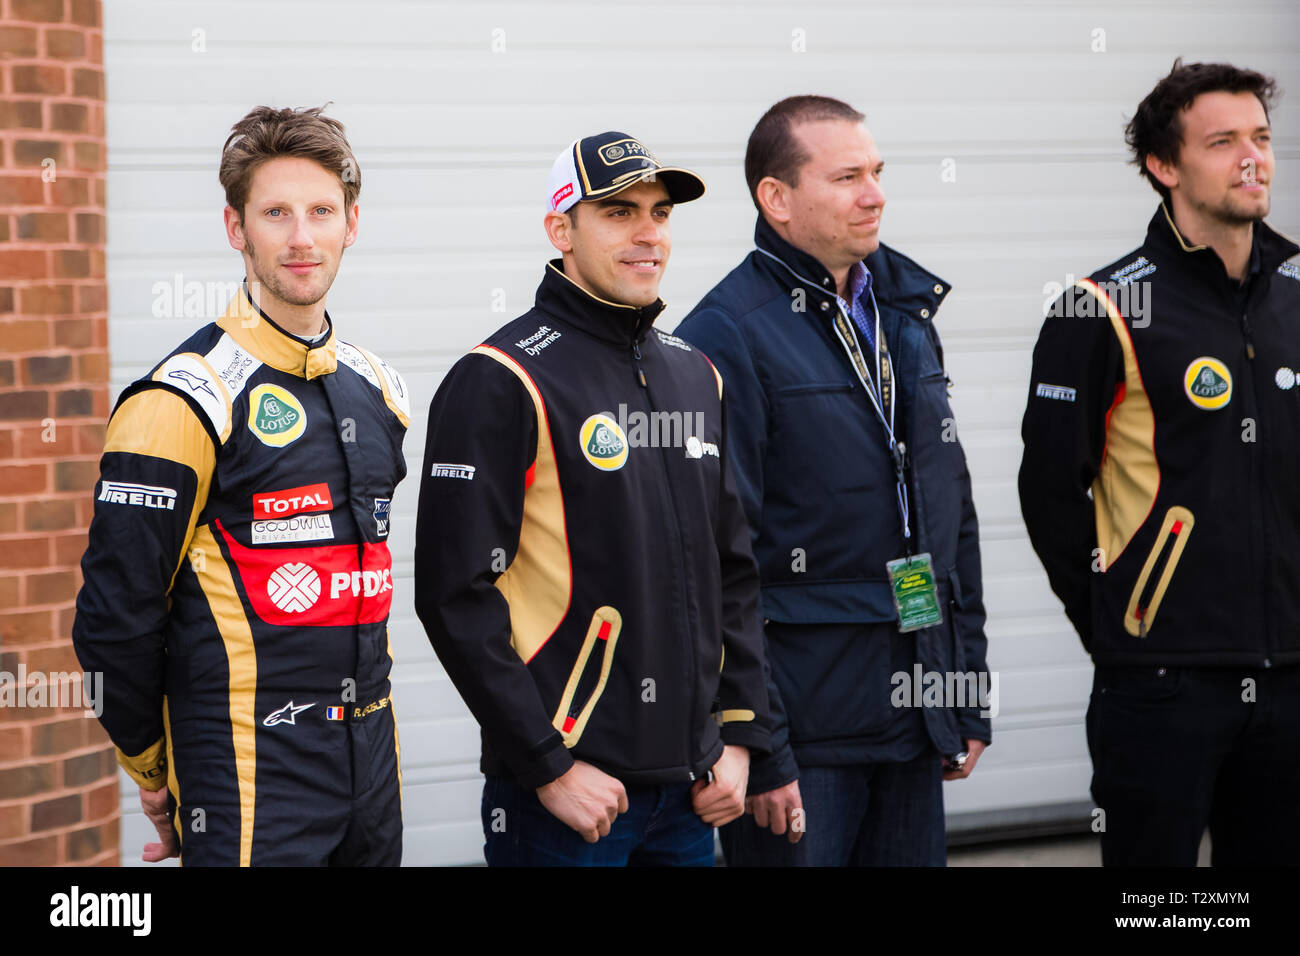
(456, 111)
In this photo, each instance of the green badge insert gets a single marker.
(914, 592)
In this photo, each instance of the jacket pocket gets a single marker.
(813, 388)
(954, 606)
(1158, 571)
(586, 684)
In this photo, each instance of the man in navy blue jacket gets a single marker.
(846, 459)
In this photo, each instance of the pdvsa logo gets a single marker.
(698, 449)
(293, 587)
(358, 583)
(603, 442)
(1208, 383)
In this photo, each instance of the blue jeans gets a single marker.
(884, 814)
(660, 828)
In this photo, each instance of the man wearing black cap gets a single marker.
(582, 561)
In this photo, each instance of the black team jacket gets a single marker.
(1170, 393)
(582, 561)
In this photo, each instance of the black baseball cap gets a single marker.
(597, 166)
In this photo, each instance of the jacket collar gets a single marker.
(622, 325)
(896, 281)
(1271, 248)
(256, 333)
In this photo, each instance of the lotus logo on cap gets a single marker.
(598, 166)
(622, 150)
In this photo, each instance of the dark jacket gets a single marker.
(817, 481)
(582, 562)
(1168, 392)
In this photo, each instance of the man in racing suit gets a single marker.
(237, 579)
(582, 560)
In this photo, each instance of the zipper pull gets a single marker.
(1245, 328)
(636, 360)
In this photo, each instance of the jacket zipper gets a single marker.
(1250, 356)
(689, 648)
(1250, 342)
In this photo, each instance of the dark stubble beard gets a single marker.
(276, 287)
(1228, 215)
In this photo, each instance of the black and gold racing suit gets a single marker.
(237, 591)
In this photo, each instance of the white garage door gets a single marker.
(1000, 123)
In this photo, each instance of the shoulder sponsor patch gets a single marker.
(1290, 270)
(603, 443)
(371, 367)
(396, 387)
(1135, 270)
(191, 375)
(1208, 383)
(1061, 393)
(1285, 378)
(275, 416)
(354, 360)
(533, 344)
(232, 364)
(441, 469)
(142, 496)
(668, 339)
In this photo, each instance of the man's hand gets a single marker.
(585, 799)
(157, 807)
(974, 748)
(723, 800)
(776, 809)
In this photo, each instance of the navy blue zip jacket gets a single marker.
(816, 478)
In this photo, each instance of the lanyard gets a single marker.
(882, 397)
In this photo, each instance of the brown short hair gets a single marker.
(266, 133)
(774, 150)
(1156, 129)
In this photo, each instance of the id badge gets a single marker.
(915, 596)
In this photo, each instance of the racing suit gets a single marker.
(237, 589)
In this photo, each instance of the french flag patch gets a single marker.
(333, 713)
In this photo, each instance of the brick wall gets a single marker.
(58, 781)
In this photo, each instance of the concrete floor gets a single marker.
(1046, 851)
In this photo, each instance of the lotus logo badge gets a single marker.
(603, 442)
(1208, 383)
(275, 416)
